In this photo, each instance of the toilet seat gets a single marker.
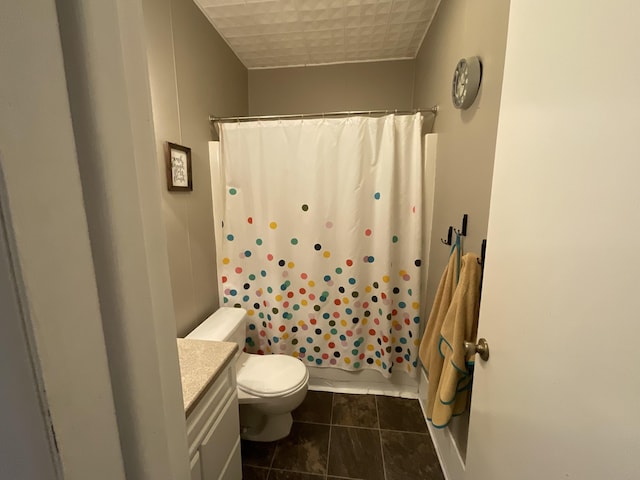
(270, 375)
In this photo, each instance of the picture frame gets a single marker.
(179, 168)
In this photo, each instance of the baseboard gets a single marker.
(449, 456)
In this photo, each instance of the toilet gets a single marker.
(269, 387)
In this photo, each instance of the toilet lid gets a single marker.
(270, 375)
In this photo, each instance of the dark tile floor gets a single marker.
(341, 436)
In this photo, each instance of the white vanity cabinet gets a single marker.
(213, 431)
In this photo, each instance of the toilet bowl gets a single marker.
(269, 387)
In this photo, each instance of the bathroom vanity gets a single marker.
(211, 408)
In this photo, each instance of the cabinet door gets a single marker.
(196, 468)
(234, 465)
(219, 442)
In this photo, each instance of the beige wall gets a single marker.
(326, 88)
(193, 74)
(467, 139)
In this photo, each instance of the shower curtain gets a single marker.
(321, 238)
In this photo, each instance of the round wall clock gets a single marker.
(466, 82)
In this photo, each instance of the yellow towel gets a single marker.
(429, 353)
(460, 325)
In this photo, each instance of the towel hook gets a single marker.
(463, 230)
(483, 252)
(449, 235)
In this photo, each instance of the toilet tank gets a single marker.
(224, 325)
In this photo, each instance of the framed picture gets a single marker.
(179, 168)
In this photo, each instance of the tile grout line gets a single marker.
(273, 457)
(384, 468)
(270, 468)
(326, 470)
(313, 474)
(367, 428)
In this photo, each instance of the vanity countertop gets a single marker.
(201, 362)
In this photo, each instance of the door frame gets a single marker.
(77, 149)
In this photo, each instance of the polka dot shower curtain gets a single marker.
(321, 237)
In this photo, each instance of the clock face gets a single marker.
(466, 82)
(461, 77)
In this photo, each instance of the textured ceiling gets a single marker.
(278, 33)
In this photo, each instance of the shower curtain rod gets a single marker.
(433, 110)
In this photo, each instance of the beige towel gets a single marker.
(429, 352)
(460, 325)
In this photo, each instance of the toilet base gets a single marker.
(258, 427)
